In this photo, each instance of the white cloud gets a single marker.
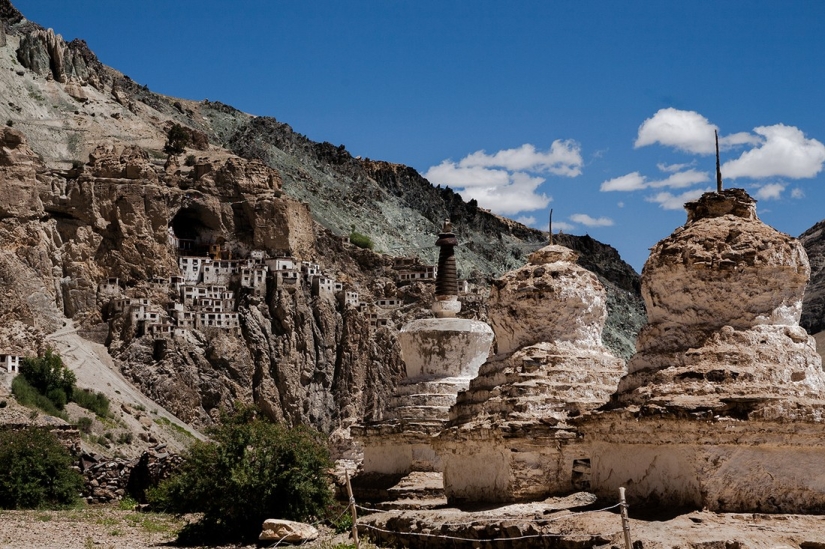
(635, 181)
(771, 191)
(674, 167)
(681, 180)
(620, 204)
(669, 201)
(588, 221)
(562, 226)
(738, 139)
(529, 220)
(506, 182)
(783, 152)
(797, 193)
(688, 131)
(563, 158)
(630, 182)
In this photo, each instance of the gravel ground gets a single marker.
(108, 527)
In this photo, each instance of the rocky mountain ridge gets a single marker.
(89, 194)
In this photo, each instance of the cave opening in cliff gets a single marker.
(194, 228)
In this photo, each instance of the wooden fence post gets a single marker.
(355, 514)
(625, 520)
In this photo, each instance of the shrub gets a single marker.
(95, 402)
(29, 396)
(49, 377)
(361, 240)
(84, 425)
(35, 471)
(178, 139)
(190, 160)
(251, 470)
(9, 122)
(125, 438)
(46, 383)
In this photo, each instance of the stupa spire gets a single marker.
(718, 167)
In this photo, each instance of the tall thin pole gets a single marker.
(354, 513)
(625, 519)
(550, 226)
(718, 167)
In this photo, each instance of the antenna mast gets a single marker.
(718, 168)
(550, 226)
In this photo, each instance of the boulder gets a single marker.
(287, 531)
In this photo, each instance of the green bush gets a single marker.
(190, 160)
(31, 397)
(44, 382)
(35, 471)
(251, 470)
(361, 240)
(49, 377)
(95, 402)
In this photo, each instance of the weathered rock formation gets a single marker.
(813, 305)
(301, 357)
(509, 437)
(722, 406)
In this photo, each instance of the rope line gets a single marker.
(443, 536)
(543, 521)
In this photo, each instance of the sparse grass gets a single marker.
(106, 521)
(174, 426)
(127, 504)
(150, 522)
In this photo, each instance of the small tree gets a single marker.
(252, 470)
(35, 471)
(49, 377)
(178, 139)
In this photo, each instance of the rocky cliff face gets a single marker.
(813, 305)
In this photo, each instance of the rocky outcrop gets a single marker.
(47, 54)
(19, 188)
(813, 304)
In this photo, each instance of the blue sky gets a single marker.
(601, 110)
